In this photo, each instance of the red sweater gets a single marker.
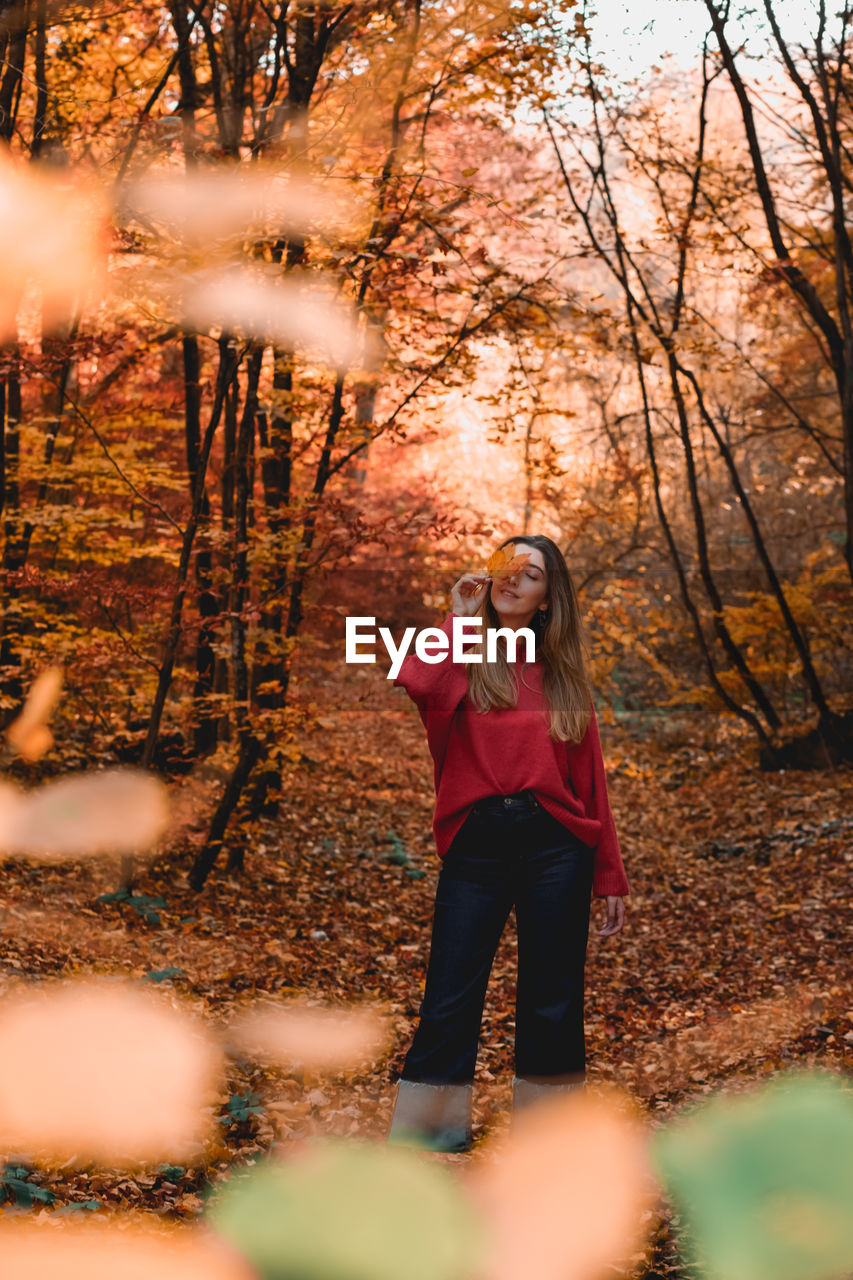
(504, 750)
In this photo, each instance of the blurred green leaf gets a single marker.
(350, 1210)
(78, 1205)
(143, 903)
(764, 1180)
(160, 975)
(398, 853)
(24, 1194)
(240, 1106)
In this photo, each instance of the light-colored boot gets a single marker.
(525, 1092)
(434, 1116)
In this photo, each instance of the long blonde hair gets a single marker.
(560, 643)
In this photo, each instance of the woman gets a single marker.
(521, 819)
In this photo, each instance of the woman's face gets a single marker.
(517, 596)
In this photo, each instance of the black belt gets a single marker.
(516, 802)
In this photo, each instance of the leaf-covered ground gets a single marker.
(735, 961)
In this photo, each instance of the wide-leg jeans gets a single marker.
(509, 852)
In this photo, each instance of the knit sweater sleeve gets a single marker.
(608, 872)
(436, 688)
(434, 685)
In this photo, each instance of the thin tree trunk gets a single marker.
(651, 317)
(16, 26)
(240, 581)
(743, 713)
(55, 421)
(10, 621)
(227, 369)
(705, 570)
(251, 745)
(799, 640)
(205, 719)
(840, 344)
(40, 121)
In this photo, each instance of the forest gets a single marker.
(306, 306)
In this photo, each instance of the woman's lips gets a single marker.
(505, 592)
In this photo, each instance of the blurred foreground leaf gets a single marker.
(84, 815)
(321, 1039)
(765, 1180)
(349, 1211)
(95, 1246)
(103, 1070)
(29, 734)
(53, 232)
(568, 1190)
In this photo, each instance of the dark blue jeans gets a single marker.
(509, 851)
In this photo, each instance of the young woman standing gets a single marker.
(521, 819)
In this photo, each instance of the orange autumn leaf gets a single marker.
(504, 561)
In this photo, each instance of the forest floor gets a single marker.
(735, 961)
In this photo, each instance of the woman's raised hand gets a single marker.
(467, 594)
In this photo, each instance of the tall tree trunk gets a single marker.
(810, 676)
(268, 671)
(743, 713)
(226, 373)
(40, 121)
(311, 36)
(620, 263)
(13, 559)
(731, 649)
(205, 717)
(14, 17)
(239, 596)
(55, 398)
(251, 744)
(839, 341)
